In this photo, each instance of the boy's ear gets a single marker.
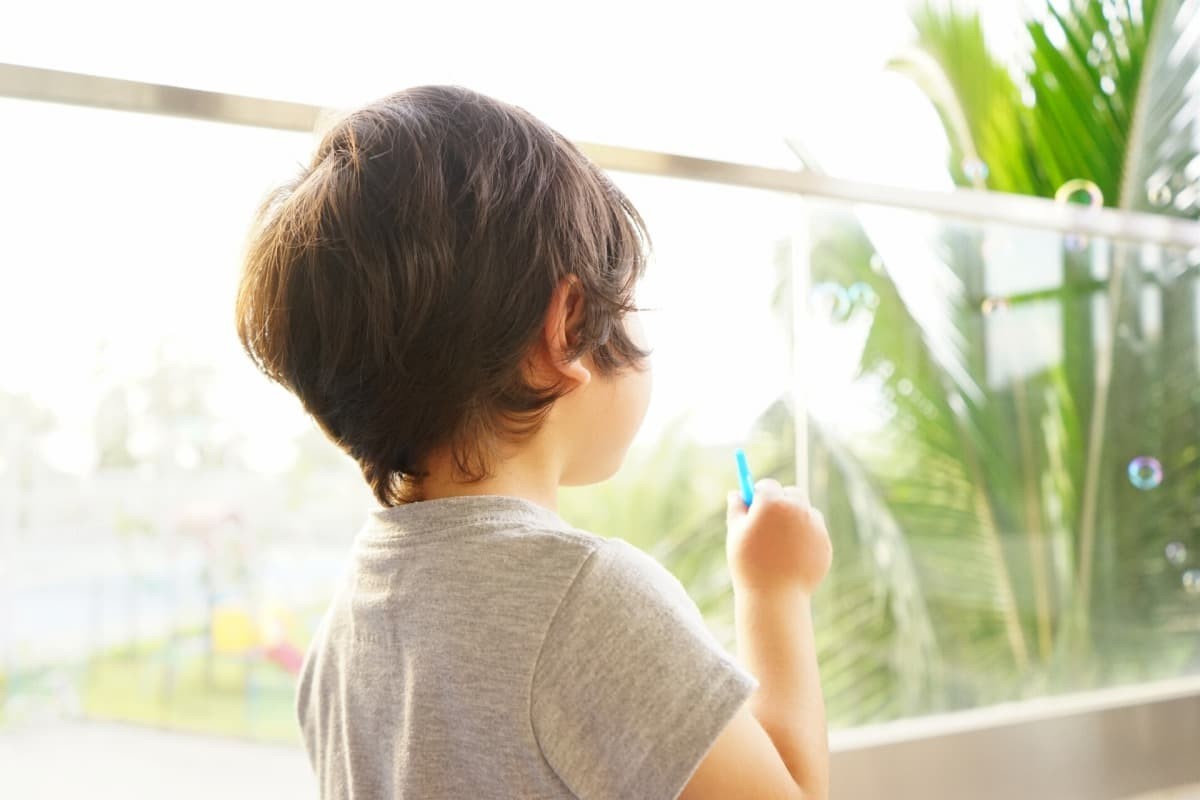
(563, 316)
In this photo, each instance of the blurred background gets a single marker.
(949, 251)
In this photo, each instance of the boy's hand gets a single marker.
(780, 544)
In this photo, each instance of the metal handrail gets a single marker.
(75, 88)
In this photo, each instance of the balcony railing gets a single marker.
(1109, 741)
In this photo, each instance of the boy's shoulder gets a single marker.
(619, 575)
(611, 554)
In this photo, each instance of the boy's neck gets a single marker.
(529, 474)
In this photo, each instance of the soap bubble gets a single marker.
(1191, 581)
(975, 170)
(1158, 194)
(1176, 553)
(862, 295)
(1079, 190)
(992, 305)
(1145, 473)
(829, 302)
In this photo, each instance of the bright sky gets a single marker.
(126, 228)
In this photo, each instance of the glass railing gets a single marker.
(999, 419)
(1003, 431)
(169, 521)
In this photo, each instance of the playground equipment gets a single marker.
(234, 631)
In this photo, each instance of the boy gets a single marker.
(447, 288)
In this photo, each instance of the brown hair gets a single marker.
(397, 283)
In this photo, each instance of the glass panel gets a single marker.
(1004, 428)
(169, 520)
(1003, 437)
(171, 523)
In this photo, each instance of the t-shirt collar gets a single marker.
(450, 512)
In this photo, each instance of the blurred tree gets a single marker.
(25, 423)
(112, 430)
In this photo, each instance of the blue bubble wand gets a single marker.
(744, 479)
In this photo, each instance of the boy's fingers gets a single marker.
(734, 507)
(797, 494)
(768, 487)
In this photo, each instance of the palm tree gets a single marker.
(1039, 564)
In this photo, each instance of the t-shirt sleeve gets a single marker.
(631, 688)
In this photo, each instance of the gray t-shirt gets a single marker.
(481, 647)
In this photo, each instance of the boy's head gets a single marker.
(449, 274)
